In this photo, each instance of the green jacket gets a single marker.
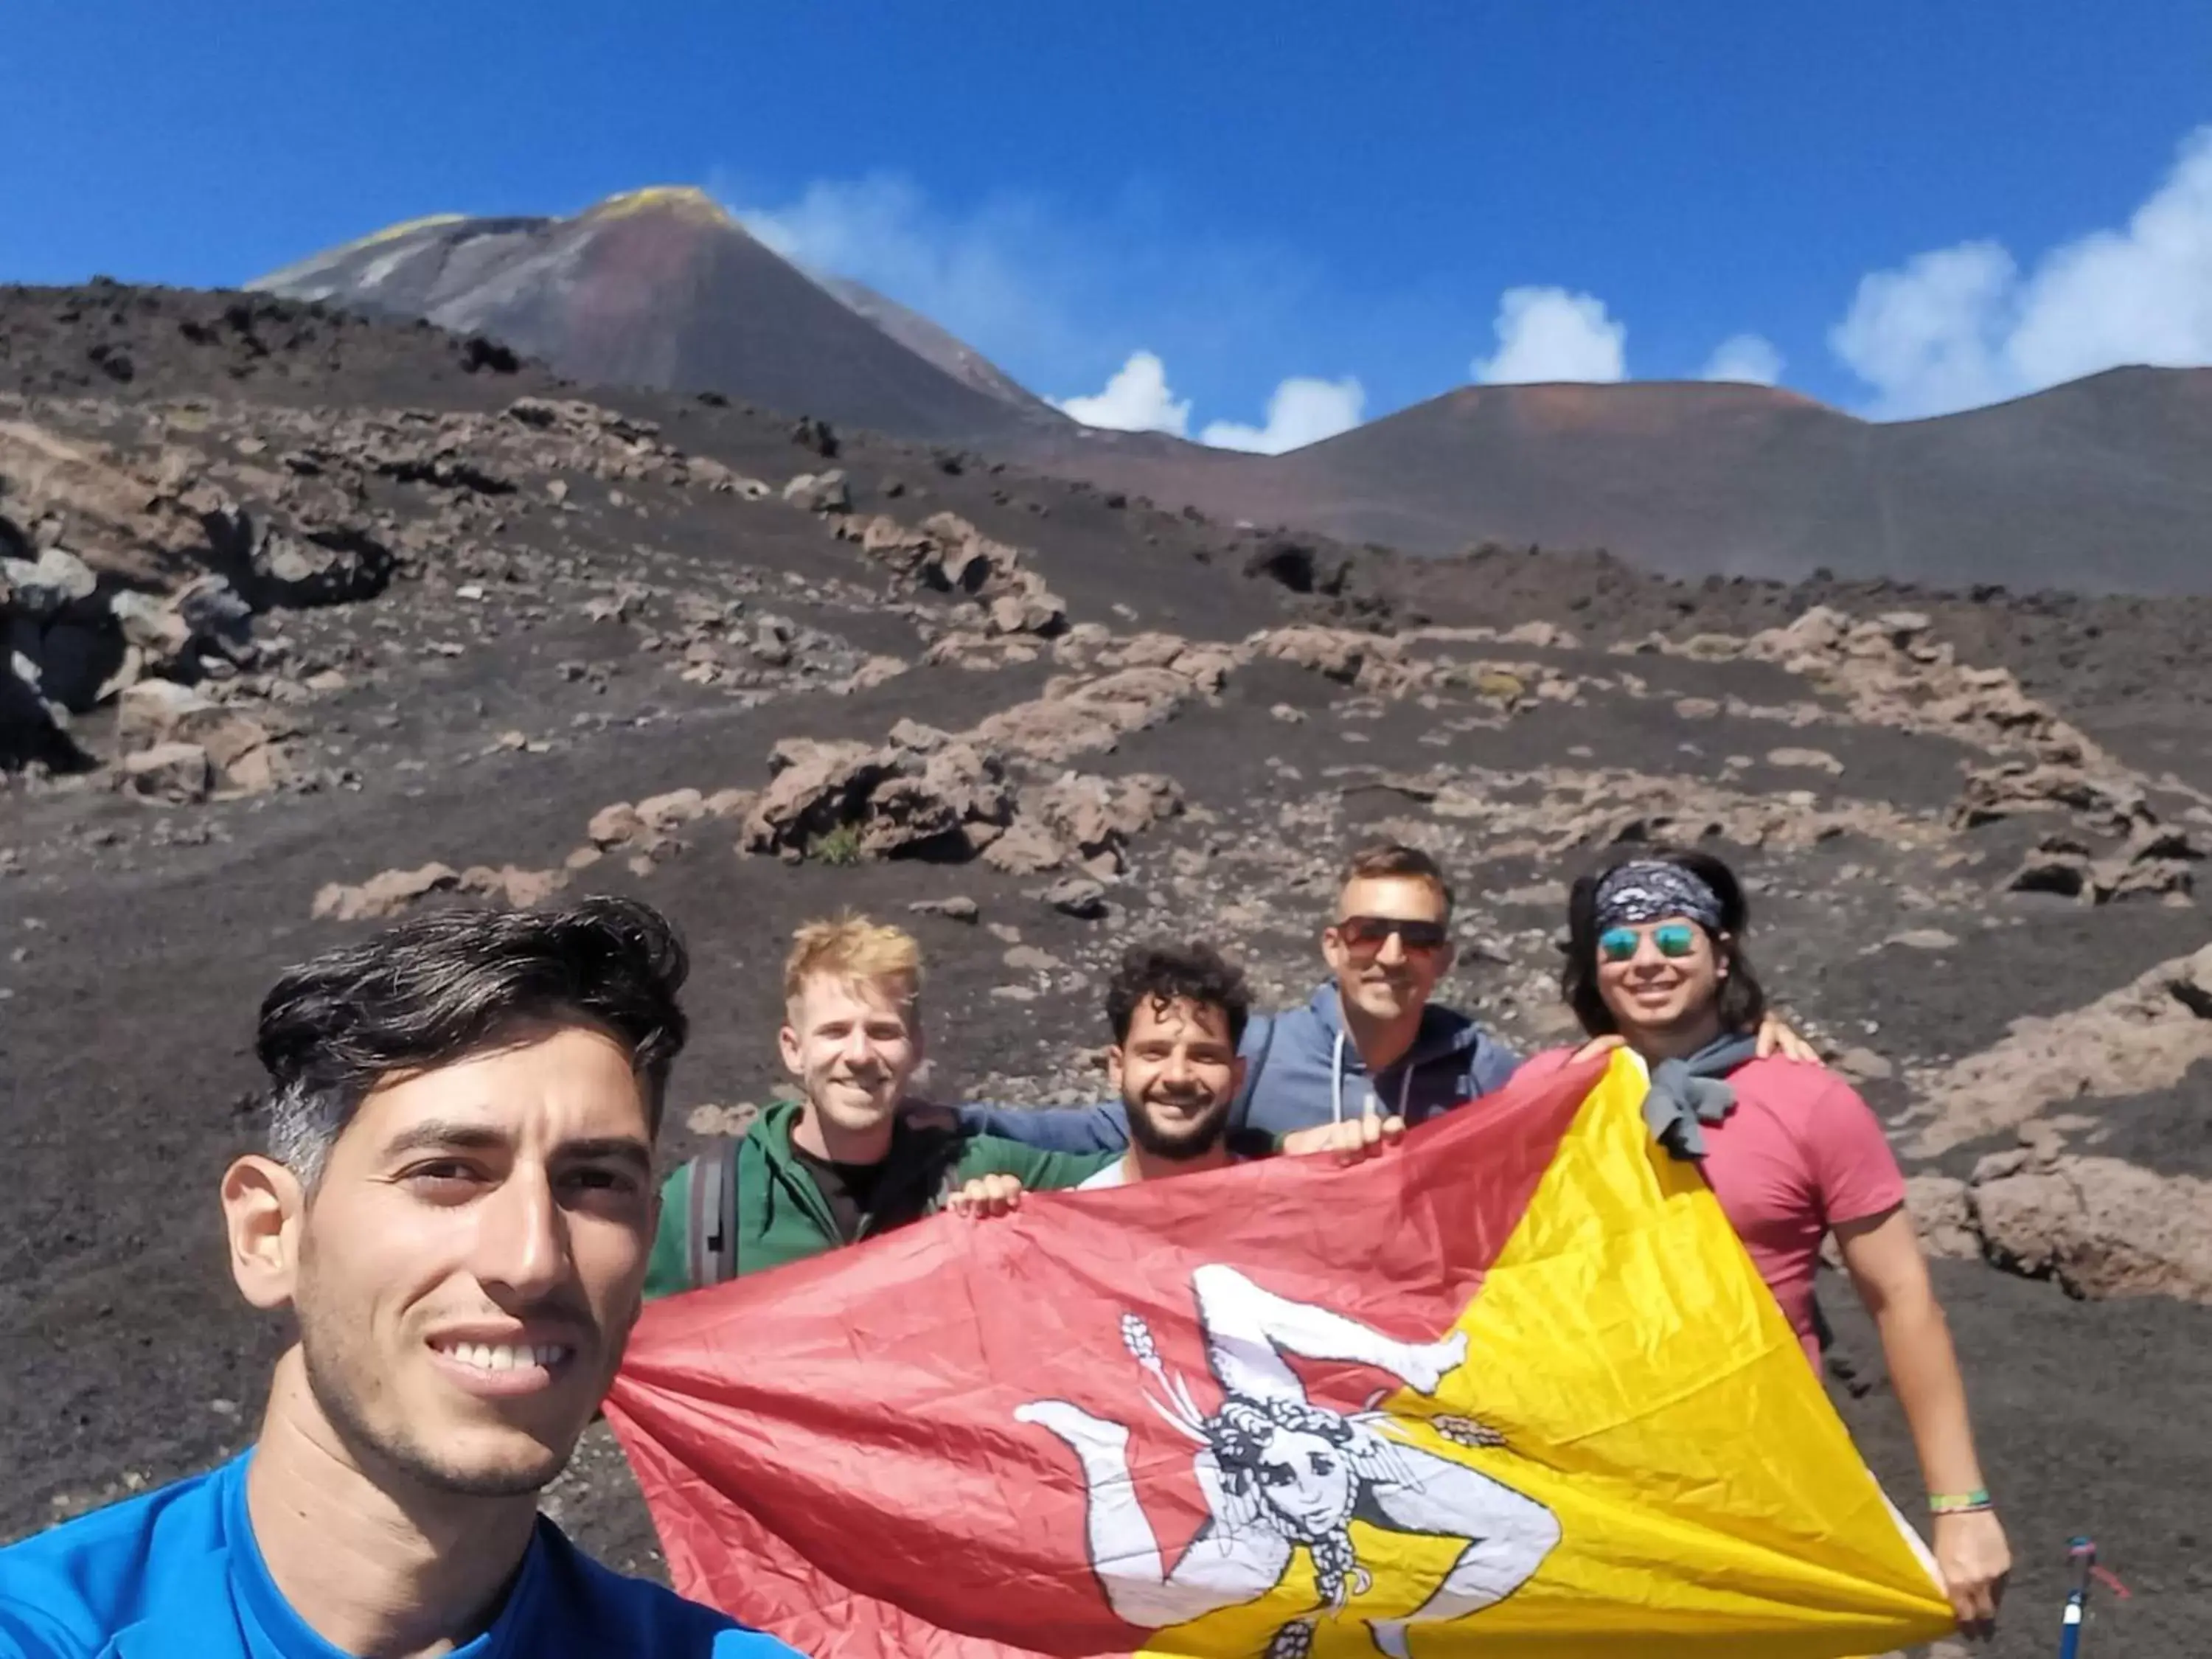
(781, 1214)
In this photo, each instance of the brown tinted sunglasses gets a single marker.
(1364, 936)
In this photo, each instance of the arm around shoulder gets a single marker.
(1101, 1128)
(1495, 1066)
(1038, 1169)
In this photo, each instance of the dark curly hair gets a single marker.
(441, 986)
(1162, 971)
(1240, 1432)
(1742, 1003)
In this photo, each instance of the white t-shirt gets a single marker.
(1115, 1173)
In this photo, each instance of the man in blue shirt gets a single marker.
(455, 1207)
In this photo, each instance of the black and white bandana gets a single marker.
(1651, 891)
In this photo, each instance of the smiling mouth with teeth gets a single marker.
(505, 1356)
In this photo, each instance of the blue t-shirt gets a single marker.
(177, 1573)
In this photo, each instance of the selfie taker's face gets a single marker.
(474, 1257)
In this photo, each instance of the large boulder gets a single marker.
(1027, 848)
(971, 780)
(244, 751)
(1077, 716)
(2141, 1037)
(1943, 1212)
(157, 710)
(947, 553)
(816, 788)
(820, 492)
(49, 586)
(2100, 1227)
(178, 772)
(386, 894)
(1093, 818)
(332, 565)
(925, 793)
(1336, 653)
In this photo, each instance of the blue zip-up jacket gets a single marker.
(1303, 1069)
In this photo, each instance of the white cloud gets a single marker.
(1033, 281)
(1549, 334)
(987, 276)
(1962, 326)
(1751, 358)
(1136, 399)
(1926, 336)
(1301, 411)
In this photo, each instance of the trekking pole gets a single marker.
(2082, 1554)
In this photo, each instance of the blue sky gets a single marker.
(1897, 207)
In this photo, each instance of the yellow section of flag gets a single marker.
(1705, 1499)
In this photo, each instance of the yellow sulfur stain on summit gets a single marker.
(390, 232)
(686, 199)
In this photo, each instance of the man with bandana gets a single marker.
(1655, 958)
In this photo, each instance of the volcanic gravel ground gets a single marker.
(136, 938)
(2169, 1130)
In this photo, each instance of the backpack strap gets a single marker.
(1240, 1138)
(711, 1227)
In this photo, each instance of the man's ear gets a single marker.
(1237, 1068)
(1332, 950)
(1114, 1068)
(786, 1042)
(1445, 956)
(264, 1207)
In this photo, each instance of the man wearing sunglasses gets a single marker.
(1367, 1051)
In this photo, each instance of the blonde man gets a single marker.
(841, 1162)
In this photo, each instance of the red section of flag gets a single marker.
(829, 1450)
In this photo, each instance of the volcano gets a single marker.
(662, 288)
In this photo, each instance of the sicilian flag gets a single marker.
(1514, 1390)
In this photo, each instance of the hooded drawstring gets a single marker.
(1336, 1083)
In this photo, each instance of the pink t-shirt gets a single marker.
(1800, 1154)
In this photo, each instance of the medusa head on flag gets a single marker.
(1279, 1472)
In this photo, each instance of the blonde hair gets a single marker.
(852, 948)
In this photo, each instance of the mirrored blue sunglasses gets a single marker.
(1675, 939)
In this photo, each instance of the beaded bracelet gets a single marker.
(1959, 1503)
